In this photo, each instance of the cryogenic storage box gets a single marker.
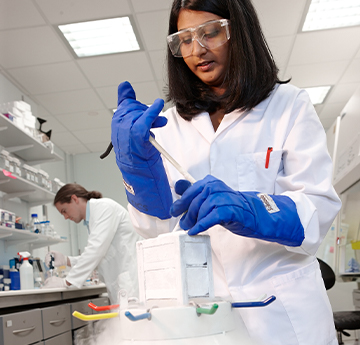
(176, 268)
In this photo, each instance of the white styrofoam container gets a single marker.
(175, 267)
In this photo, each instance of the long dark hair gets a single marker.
(252, 72)
(65, 192)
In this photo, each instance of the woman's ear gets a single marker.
(75, 198)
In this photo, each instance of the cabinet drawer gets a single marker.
(21, 328)
(356, 298)
(83, 308)
(84, 335)
(61, 339)
(56, 320)
(100, 302)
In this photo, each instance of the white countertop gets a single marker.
(45, 291)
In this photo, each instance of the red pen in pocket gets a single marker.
(267, 161)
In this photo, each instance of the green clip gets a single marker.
(210, 311)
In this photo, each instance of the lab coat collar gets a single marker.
(87, 217)
(204, 126)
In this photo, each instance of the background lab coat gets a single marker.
(110, 248)
(300, 167)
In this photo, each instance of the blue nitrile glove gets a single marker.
(145, 180)
(210, 201)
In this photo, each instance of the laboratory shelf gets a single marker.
(22, 144)
(16, 186)
(12, 237)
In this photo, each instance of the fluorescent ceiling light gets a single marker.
(100, 37)
(317, 94)
(326, 14)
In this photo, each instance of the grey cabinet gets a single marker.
(56, 320)
(21, 328)
(61, 339)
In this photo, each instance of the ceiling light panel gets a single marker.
(327, 14)
(99, 37)
(317, 94)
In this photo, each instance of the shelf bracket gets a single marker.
(5, 235)
(9, 243)
(40, 161)
(18, 194)
(4, 128)
(19, 148)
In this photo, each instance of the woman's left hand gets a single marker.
(210, 202)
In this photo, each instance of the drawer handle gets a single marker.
(57, 321)
(23, 330)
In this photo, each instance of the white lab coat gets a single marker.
(110, 248)
(300, 167)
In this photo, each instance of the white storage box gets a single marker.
(7, 218)
(31, 173)
(5, 160)
(56, 184)
(44, 180)
(176, 268)
(15, 163)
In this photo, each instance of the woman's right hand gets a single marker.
(130, 128)
(59, 259)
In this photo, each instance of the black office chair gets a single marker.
(344, 320)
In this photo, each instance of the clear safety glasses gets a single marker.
(210, 35)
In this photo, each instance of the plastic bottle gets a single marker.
(34, 223)
(26, 272)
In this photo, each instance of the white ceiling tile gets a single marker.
(69, 11)
(31, 46)
(342, 92)
(327, 73)
(75, 149)
(62, 139)
(114, 69)
(151, 5)
(108, 95)
(327, 123)
(159, 64)
(90, 136)
(331, 110)
(146, 93)
(12, 16)
(50, 78)
(71, 102)
(281, 47)
(98, 147)
(279, 17)
(84, 120)
(325, 45)
(51, 123)
(352, 73)
(153, 27)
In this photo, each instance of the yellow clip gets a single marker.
(95, 316)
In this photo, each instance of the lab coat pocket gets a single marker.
(253, 172)
(304, 298)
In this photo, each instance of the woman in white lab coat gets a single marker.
(258, 151)
(111, 246)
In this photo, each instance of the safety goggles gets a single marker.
(210, 35)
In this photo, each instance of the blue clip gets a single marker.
(138, 317)
(254, 304)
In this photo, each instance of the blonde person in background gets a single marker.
(111, 244)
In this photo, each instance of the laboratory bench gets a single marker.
(44, 316)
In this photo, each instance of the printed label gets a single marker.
(129, 188)
(268, 202)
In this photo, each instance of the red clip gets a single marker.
(267, 161)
